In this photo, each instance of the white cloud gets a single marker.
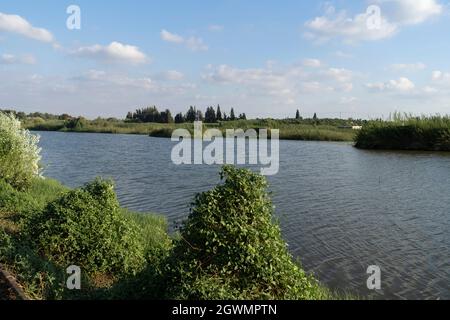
(339, 24)
(196, 44)
(286, 84)
(114, 52)
(409, 12)
(192, 43)
(12, 59)
(171, 37)
(17, 24)
(343, 55)
(430, 90)
(440, 76)
(348, 100)
(340, 75)
(216, 28)
(441, 79)
(171, 75)
(98, 78)
(312, 63)
(353, 28)
(401, 85)
(403, 67)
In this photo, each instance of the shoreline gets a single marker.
(295, 131)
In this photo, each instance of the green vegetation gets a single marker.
(231, 248)
(86, 226)
(307, 129)
(150, 121)
(153, 115)
(406, 132)
(19, 153)
(39, 261)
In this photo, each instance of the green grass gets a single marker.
(326, 130)
(406, 133)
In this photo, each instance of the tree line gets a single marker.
(211, 115)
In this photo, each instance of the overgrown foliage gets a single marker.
(230, 247)
(405, 132)
(85, 227)
(19, 153)
(43, 278)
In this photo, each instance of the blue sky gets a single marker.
(265, 58)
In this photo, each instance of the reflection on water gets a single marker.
(341, 209)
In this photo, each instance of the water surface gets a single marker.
(341, 209)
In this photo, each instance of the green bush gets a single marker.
(85, 227)
(19, 153)
(230, 247)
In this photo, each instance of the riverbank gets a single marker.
(303, 130)
(42, 273)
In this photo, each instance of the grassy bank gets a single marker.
(324, 130)
(41, 276)
(164, 271)
(406, 133)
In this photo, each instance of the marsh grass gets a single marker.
(405, 132)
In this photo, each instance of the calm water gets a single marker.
(341, 209)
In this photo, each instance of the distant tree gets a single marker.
(232, 116)
(315, 119)
(191, 114)
(210, 115)
(297, 115)
(179, 118)
(21, 115)
(225, 117)
(242, 116)
(166, 117)
(199, 116)
(129, 116)
(219, 114)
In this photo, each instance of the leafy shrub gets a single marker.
(19, 153)
(76, 124)
(230, 247)
(85, 227)
(14, 201)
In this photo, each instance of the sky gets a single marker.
(359, 59)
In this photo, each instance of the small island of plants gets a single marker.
(406, 132)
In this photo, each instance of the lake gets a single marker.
(341, 209)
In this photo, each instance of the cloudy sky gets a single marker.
(265, 58)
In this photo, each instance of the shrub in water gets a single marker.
(85, 227)
(19, 153)
(230, 247)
